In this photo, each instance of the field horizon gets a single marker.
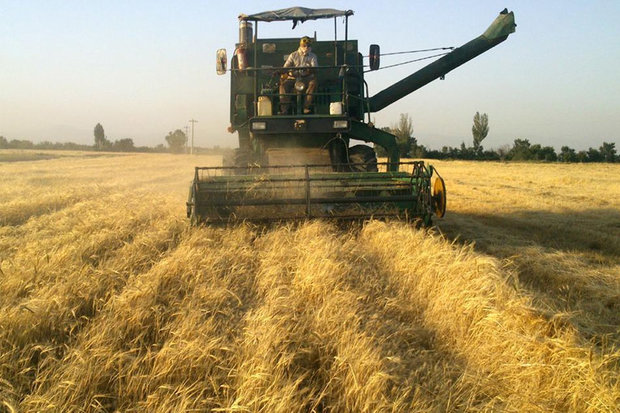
(110, 300)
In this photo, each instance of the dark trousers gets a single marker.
(288, 86)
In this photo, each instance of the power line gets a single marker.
(412, 61)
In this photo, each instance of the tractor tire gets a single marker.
(228, 159)
(243, 158)
(240, 159)
(364, 157)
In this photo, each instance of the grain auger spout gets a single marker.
(298, 106)
(497, 32)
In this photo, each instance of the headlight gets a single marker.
(341, 124)
(259, 125)
(300, 86)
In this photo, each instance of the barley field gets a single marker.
(111, 302)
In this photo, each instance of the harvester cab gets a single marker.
(296, 112)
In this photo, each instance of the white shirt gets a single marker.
(300, 59)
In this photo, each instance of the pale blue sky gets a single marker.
(144, 68)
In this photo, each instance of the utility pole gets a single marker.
(186, 128)
(192, 121)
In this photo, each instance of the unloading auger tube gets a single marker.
(292, 164)
(496, 33)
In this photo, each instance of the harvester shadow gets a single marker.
(589, 231)
(549, 253)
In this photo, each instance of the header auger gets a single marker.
(295, 116)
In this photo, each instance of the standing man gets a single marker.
(301, 61)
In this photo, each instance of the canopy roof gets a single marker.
(296, 14)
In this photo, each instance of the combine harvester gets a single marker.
(300, 163)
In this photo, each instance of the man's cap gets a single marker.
(305, 41)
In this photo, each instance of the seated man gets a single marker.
(299, 60)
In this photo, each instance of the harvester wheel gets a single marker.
(439, 197)
(228, 159)
(240, 159)
(362, 158)
(243, 159)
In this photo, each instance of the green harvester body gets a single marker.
(302, 165)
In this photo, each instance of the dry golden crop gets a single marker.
(110, 301)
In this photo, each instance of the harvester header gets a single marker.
(297, 106)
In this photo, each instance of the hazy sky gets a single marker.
(144, 68)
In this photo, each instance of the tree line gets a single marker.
(176, 143)
(521, 149)
(102, 143)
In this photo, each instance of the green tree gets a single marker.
(567, 154)
(520, 151)
(594, 155)
(100, 140)
(124, 145)
(502, 152)
(404, 136)
(466, 153)
(4, 143)
(480, 130)
(582, 156)
(176, 141)
(608, 152)
(20, 144)
(160, 148)
(418, 151)
(545, 153)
